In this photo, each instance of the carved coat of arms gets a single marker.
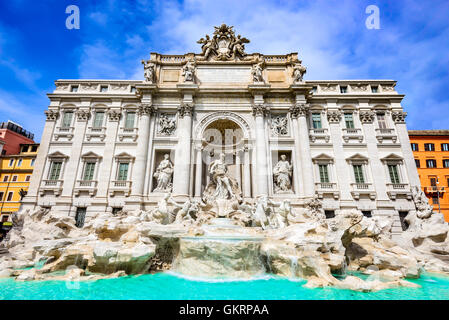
(223, 45)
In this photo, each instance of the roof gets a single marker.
(428, 132)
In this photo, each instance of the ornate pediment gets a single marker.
(223, 45)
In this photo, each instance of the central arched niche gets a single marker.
(222, 136)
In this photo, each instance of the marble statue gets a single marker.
(148, 71)
(164, 174)
(167, 126)
(423, 208)
(282, 173)
(162, 213)
(208, 46)
(280, 212)
(279, 126)
(315, 208)
(221, 179)
(256, 72)
(298, 72)
(224, 45)
(188, 71)
(262, 211)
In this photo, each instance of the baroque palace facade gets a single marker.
(111, 145)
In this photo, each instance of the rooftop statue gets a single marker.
(224, 45)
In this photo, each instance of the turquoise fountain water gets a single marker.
(172, 286)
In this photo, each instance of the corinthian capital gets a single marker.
(399, 116)
(186, 108)
(83, 115)
(334, 116)
(260, 109)
(114, 115)
(299, 110)
(146, 109)
(367, 116)
(51, 115)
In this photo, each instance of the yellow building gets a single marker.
(15, 175)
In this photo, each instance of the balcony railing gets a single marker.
(361, 186)
(398, 186)
(326, 185)
(385, 131)
(51, 185)
(120, 185)
(432, 189)
(318, 131)
(351, 130)
(86, 185)
(56, 183)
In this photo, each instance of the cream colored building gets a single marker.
(103, 140)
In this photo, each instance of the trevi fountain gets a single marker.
(232, 222)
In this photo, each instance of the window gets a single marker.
(116, 210)
(445, 163)
(104, 89)
(414, 146)
(445, 147)
(55, 170)
(418, 164)
(429, 147)
(431, 163)
(98, 119)
(433, 182)
(5, 178)
(80, 217)
(32, 162)
(14, 178)
(435, 200)
(27, 178)
(10, 194)
(349, 121)
(11, 162)
(24, 148)
(1, 196)
(329, 214)
(358, 173)
(314, 89)
(129, 121)
(374, 89)
(316, 120)
(123, 171)
(67, 119)
(394, 175)
(402, 216)
(324, 174)
(133, 89)
(74, 89)
(381, 120)
(89, 170)
(33, 148)
(367, 214)
(343, 89)
(19, 163)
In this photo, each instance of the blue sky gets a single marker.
(411, 46)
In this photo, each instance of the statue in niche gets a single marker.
(148, 71)
(222, 185)
(282, 173)
(167, 126)
(163, 175)
(256, 72)
(279, 126)
(188, 71)
(298, 72)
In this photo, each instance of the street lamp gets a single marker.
(438, 195)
